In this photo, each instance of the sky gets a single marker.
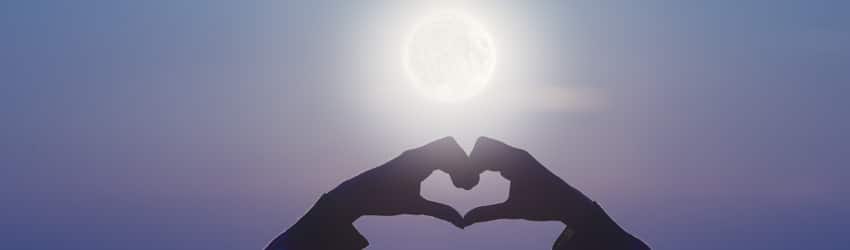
(217, 124)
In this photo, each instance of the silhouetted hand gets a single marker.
(539, 195)
(535, 193)
(394, 188)
(391, 189)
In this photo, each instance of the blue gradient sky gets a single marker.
(215, 125)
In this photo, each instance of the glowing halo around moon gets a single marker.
(449, 57)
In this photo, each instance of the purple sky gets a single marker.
(215, 125)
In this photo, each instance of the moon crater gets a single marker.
(449, 57)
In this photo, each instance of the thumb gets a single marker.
(489, 213)
(439, 211)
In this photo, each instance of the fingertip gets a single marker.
(465, 177)
(447, 155)
(446, 141)
(487, 141)
(489, 154)
(460, 224)
(445, 148)
(443, 212)
(485, 145)
(464, 224)
(473, 216)
(479, 144)
(487, 213)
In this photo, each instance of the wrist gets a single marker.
(592, 219)
(321, 223)
(576, 211)
(574, 205)
(332, 210)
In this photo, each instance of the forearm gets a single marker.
(321, 228)
(596, 230)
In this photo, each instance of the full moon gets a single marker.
(449, 57)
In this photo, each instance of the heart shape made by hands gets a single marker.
(492, 188)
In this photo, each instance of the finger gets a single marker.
(489, 213)
(490, 154)
(446, 155)
(439, 211)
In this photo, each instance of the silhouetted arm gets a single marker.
(539, 195)
(596, 230)
(391, 189)
(322, 227)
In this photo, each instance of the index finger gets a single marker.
(446, 155)
(494, 155)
